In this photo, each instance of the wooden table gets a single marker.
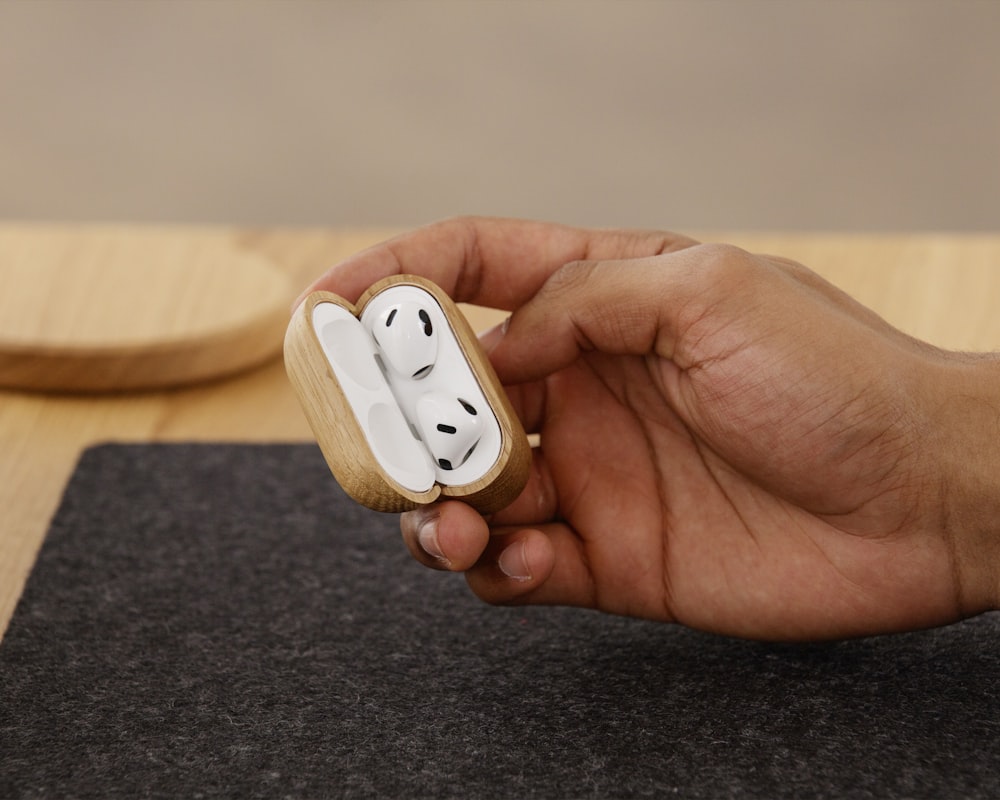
(942, 288)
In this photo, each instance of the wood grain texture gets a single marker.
(102, 309)
(941, 288)
(334, 423)
(340, 435)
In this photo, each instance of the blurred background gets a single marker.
(686, 114)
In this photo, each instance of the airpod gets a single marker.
(407, 339)
(403, 402)
(450, 426)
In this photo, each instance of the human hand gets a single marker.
(726, 440)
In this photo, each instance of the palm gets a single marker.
(677, 523)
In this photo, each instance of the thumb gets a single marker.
(630, 307)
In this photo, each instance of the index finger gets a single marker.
(488, 261)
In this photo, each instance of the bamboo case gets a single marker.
(388, 435)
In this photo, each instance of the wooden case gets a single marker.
(336, 421)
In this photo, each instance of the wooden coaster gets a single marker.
(105, 308)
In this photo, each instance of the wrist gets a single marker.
(966, 432)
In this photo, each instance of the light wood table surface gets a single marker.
(942, 288)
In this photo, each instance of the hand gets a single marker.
(726, 440)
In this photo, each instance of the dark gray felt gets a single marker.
(221, 621)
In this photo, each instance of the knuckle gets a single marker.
(569, 277)
(720, 262)
(721, 281)
(720, 271)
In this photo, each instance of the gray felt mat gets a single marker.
(220, 621)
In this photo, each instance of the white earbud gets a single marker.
(426, 373)
(450, 427)
(407, 340)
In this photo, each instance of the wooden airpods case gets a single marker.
(403, 401)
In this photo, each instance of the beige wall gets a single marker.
(846, 114)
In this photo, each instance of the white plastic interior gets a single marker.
(350, 352)
(385, 404)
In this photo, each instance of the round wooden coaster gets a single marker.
(105, 308)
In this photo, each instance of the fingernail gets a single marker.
(427, 537)
(491, 338)
(513, 563)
